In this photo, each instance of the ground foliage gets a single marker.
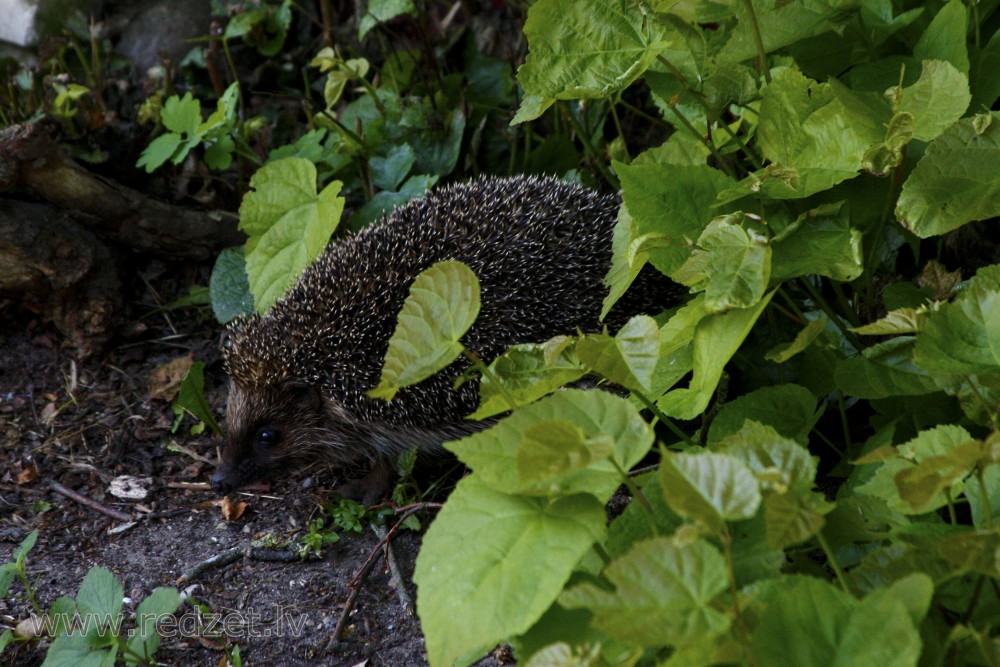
(816, 176)
(821, 410)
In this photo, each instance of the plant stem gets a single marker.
(621, 134)
(588, 145)
(478, 364)
(727, 551)
(347, 132)
(822, 304)
(232, 71)
(845, 303)
(834, 565)
(952, 517)
(637, 493)
(645, 116)
(844, 425)
(876, 234)
(663, 418)
(987, 506)
(983, 402)
(758, 40)
(710, 145)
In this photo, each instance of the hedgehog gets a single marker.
(300, 374)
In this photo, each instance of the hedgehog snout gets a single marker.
(222, 481)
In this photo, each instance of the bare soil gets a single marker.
(81, 424)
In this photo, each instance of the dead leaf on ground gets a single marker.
(232, 511)
(28, 474)
(165, 380)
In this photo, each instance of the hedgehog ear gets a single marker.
(304, 396)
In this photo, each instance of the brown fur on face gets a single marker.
(271, 428)
(303, 427)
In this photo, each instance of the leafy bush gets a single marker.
(790, 200)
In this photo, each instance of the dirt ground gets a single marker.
(81, 424)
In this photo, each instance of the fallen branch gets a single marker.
(385, 538)
(33, 160)
(250, 552)
(89, 502)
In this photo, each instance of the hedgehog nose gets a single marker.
(221, 482)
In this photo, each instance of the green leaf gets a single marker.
(229, 287)
(716, 339)
(780, 464)
(100, 593)
(584, 49)
(558, 626)
(638, 523)
(676, 346)
(945, 38)
(779, 24)
(884, 370)
(921, 462)
(386, 201)
(159, 151)
(983, 501)
(62, 611)
(673, 202)
(779, 354)
(806, 622)
(264, 29)
(562, 654)
(492, 563)
(897, 321)
(8, 571)
(100, 600)
(816, 133)
(938, 98)
(957, 180)
(26, 545)
(881, 159)
(963, 336)
(380, 11)
(915, 591)
(288, 225)
(788, 408)
(662, 594)
(191, 396)
(731, 264)
(982, 79)
(443, 303)
(629, 253)
(76, 651)
(220, 154)
(438, 146)
(493, 454)
(629, 358)
(922, 484)
(181, 114)
(712, 488)
(793, 518)
(524, 373)
(145, 639)
(975, 551)
(557, 447)
(389, 171)
(821, 242)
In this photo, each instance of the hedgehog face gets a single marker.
(269, 428)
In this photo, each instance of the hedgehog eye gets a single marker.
(267, 436)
